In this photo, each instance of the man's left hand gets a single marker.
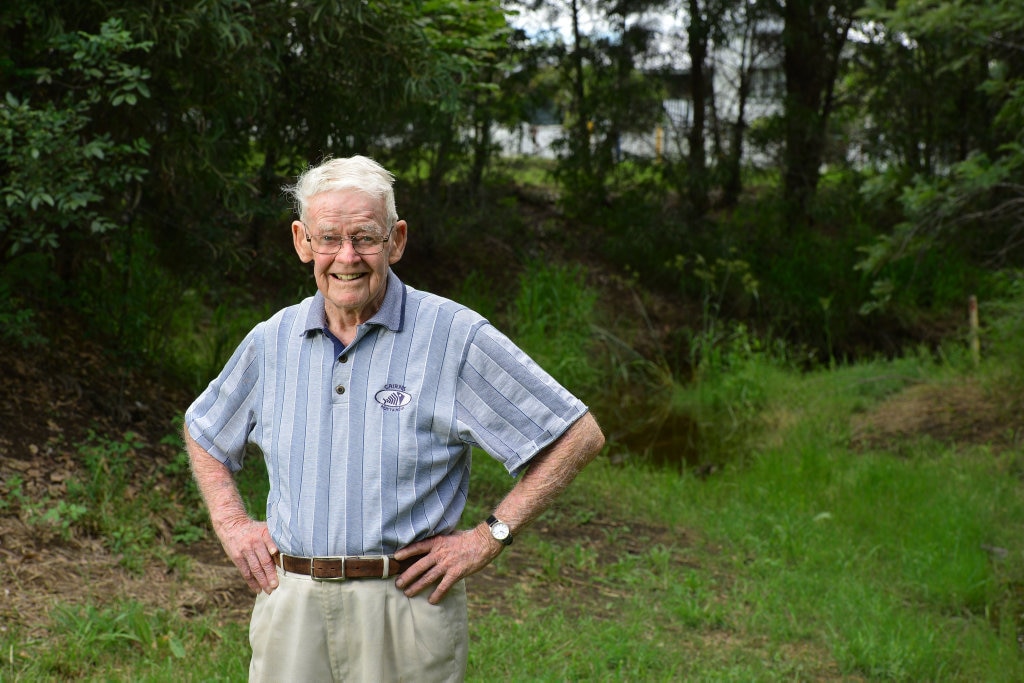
(447, 559)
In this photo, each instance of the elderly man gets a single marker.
(366, 400)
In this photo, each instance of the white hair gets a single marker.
(353, 173)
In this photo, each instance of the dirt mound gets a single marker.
(963, 413)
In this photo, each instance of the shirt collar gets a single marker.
(391, 313)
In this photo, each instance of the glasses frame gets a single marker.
(347, 238)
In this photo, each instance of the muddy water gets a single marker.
(671, 441)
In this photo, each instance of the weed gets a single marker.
(14, 496)
(62, 516)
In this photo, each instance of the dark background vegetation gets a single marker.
(144, 145)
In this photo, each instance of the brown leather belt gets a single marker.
(342, 568)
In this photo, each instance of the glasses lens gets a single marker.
(362, 244)
(367, 244)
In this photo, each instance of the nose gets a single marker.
(348, 251)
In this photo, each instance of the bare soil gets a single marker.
(965, 413)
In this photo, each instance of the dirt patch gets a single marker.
(964, 413)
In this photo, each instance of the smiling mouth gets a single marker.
(347, 277)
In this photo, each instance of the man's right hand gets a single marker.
(248, 544)
(246, 541)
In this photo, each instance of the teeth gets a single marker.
(342, 276)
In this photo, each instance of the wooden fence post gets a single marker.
(972, 312)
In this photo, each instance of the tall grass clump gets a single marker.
(551, 319)
(125, 641)
(1003, 323)
(731, 393)
(202, 335)
(734, 369)
(554, 318)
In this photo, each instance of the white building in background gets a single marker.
(766, 92)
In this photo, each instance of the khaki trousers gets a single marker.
(356, 630)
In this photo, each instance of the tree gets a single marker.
(814, 37)
(753, 49)
(62, 180)
(956, 156)
(701, 20)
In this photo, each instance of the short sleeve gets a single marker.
(223, 416)
(507, 404)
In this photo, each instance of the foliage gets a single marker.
(66, 181)
(162, 149)
(973, 210)
(17, 322)
(959, 186)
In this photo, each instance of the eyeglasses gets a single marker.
(364, 245)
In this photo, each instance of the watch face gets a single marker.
(499, 530)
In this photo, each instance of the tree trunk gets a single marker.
(697, 46)
(813, 38)
(581, 131)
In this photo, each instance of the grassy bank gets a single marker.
(822, 554)
(814, 561)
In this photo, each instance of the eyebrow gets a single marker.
(332, 229)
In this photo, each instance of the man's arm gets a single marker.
(458, 555)
(246, 541)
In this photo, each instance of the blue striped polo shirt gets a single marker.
(368, 446)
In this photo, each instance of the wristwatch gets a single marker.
(500, 530)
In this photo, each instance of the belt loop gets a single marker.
(387, 567)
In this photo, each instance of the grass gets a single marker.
(813, 561)
(126, 641)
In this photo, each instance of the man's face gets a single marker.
(353, 284)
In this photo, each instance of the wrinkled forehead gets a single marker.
(346, 210)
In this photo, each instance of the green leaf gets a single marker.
(177, 648)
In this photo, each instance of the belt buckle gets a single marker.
(313, 574)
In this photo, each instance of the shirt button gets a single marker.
(343, 358)
(340, 389)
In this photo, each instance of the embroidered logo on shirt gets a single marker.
(393, 397)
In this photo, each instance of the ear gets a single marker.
(399, 235)
(302, 247)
